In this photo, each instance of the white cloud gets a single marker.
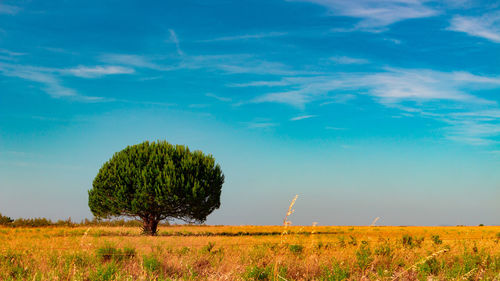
(246, 37)
(443, 96)
(8, 9)
(134, 60)
(375, 15)
(260, 125)
(51, 84)
(11, 53)
(297, 118)
(219, 98)
(99, 71)
(348, 60)
(232, 64)
(175, 40)
(486, 26)
(389, 87)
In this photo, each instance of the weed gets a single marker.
(436, 239)
(363, 256)
(296, 249)
(151, 264)
(335, 273)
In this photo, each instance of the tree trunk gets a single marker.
(150, 226)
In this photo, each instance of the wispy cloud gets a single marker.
(261, 125)
(349, 60)
(245, 37)
(330, 128)
(486, 26)
(139, 61)
(375, 15)
(99, 71)
(389, 86)
(302, 117)
(11, 53)
(50, 82)
(219, 98)
(443, 96)
(8, 9)
(175, 40)
(232, 64)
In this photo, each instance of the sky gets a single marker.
(364, 108)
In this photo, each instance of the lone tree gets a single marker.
(155, 181)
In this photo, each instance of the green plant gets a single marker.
(363, 256)
(334, 273)
(410, 241)
(129, 253)
(296, 249)
(208, 248)
(257, 273)
(104, 272)
(156, 181)
(430, 267)
(109, 252)
(4, 220)
(353, 241)
(151, 263)
(436, 239)
(383, 250)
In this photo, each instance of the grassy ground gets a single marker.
(251, 253)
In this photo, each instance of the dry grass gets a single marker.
(251, 253)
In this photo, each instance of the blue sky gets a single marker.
(364, 108)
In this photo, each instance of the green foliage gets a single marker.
(151, 263)
(4, 220)
(353, 241)
(430, 267)
(155, 181)
(111, 253)
(383, 250)
(258, 273)
(436, 239)
(208, 248)
(36, 222)
(104, 272)
(335, 273)
(296, 249)
(363, 256)
(411, 242)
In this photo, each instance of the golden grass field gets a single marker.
(251, 253)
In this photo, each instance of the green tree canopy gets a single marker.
(156, 181)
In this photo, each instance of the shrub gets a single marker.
(363, 256)
(258, 273)
(436, 240)
(151, 263)
(104, 273)
(296, 249)
(109, 252)
(129, 253)
(4, 220)
(430, 267)
(383, 250)
(410, 241)
(208, 248)
(335, 273)
(36, 222)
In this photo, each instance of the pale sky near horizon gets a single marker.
(363, 108)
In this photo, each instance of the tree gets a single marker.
(155, 181)
(4, 220)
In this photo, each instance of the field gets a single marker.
(251, 253)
